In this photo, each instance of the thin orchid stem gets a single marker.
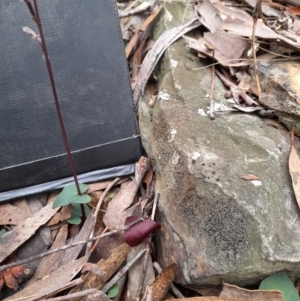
(37, 19)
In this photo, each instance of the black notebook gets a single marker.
(90, 70)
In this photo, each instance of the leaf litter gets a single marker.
(227, 42)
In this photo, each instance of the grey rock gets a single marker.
(216, 225)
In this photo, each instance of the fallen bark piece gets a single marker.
(56, 281)
(162, 283)
(233, 291)
(108, 267)
(10, 241)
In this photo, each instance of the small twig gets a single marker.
(105, 192)
(143, 273)
(148, 249)
(35, 257)
(99, 204)
(174, 289)
(256, 13)
(236, 91)
(116, 278)
(211, 93)
(95, 244)
(74, 295)
(157, 195)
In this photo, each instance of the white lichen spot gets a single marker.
(185, 271)
(231, 101)
(272, 153)
(173, 63)
(175, 158)
(172, 135)
(177, 86)
(256, 183)
(202, 112)
(195, 155)
(220, 107)
(163, 95)
(223, 17)
(167, 15)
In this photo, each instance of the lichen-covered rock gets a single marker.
(215, 224)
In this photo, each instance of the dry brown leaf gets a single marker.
(62, 215)
(244, 80)
(147, 180)
(11, 215)
(56, 281)
(11, 240)
(23, 205)
(294, 167)
(162, 283)
(134, 40)
(135, 272)
(249, 177)
(52, 197)
(102, 185)
(116, 214)
(13, 276)
(218, 17)
(47, 265)
(232, 291)
(84, 233)
(295, 10)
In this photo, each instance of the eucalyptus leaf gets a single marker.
(281, 282)
(70, 195)
(113, 292)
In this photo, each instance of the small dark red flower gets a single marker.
(138, 232)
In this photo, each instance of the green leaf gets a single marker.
(281, 282)
(87, 209)
(74, 219)
(2, 232)
(69, 195)
(111, 196)
(76, 209)
(113, 292)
